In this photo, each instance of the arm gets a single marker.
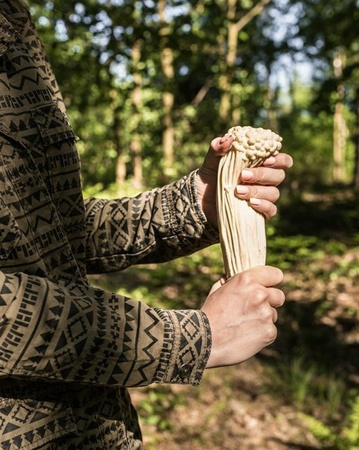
(155, 226)
(78, 334)
(72, 332)
(176, 220)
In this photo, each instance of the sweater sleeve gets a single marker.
(75, 333)
(155, 226)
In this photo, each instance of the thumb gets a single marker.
(218, 147)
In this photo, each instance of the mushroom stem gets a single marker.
(241, 228)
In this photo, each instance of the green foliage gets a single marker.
(301, 382)
(351, 432)
(285, 251)
(89, 44)
(325, 30)
(321, 431)
(346, 438)
(297, 380)
(154, 409)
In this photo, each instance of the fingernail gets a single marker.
(224, 138)
(246, 175)
(241, 190)
(255, 201)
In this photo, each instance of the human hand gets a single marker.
(258, 185)
(242, 313)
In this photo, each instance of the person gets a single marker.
(69, 351)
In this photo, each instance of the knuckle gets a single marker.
(270, 333)
(258, 174)
(258, 300)
(267, 313)
(261, 297)
(254, 191)
(261, 176)
(246, 278)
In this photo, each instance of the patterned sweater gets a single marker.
(69, 351)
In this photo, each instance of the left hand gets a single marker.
(257, 185)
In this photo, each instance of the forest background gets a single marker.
(147, 85)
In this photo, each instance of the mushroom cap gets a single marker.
(256, 144)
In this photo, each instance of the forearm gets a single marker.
(76, 333)
(156, 226)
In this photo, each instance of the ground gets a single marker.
(312, 367)
(229, 415)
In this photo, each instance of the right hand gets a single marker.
(242, 313)
(259, 183)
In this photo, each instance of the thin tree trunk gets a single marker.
(340, 130)
(356, 141)
(167, 96)
(272, 120)
(136, 100)
(226, 76)
(120, 163)
(230, 105)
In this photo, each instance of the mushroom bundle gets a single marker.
(241, 228)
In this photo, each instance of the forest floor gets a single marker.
(263, 404)
(249, 407)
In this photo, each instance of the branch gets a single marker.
(202, 92)
(257, 9)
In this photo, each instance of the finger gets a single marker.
(262, 175)
(217, 285)
(276, 297)
(275, 315)
(218, 147)
(281, 161)
(265, 275)
(247, 191)
(268, 209)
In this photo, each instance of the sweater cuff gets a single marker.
(183, 213)
(186, 347)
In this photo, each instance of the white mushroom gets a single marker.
(241, 228)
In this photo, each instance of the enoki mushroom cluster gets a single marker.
(241, 228)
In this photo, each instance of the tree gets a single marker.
(147, 84)
(330, 40)
(237, 21)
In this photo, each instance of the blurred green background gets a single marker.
(148, 84)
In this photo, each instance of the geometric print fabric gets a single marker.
(68, 351)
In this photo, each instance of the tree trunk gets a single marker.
(120, 164)
(167, 95)
(226, 76)
(340, 130)
(356, 141)
(272, 120)
(136, 99)
(229, 109)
